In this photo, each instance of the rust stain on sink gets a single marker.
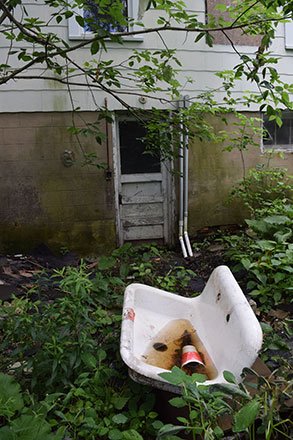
(165, 350)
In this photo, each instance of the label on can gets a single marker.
(191, 356)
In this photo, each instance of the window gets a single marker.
(94, 17)
(133, 154)
(280, 138)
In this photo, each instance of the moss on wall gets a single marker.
(213, 173)
(84, 238)
(43, 200)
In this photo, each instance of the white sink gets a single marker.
(221, 315)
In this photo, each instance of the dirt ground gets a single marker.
(19, 272)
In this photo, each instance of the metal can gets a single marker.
(190, 355)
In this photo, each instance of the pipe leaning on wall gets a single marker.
(183, 189)
(181, 192)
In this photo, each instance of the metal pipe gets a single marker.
(108, 170)
(181, 191)
(185, 177)
(185, 219)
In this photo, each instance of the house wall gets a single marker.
(199, 63)
(213, 173)
(43, 201)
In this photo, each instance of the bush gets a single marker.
(264, 190)
(265, 250)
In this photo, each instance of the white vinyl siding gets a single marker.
(199, 63)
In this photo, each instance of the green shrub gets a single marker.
(20, 417)
(265, 250)
(264, 190)
(256, 416)
(266, 253)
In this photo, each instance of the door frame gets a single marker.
(168, 186)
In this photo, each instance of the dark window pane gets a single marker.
(97, 19)
(269, 135)
(134, 158)
(283, 133)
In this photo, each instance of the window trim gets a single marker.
(284, 148)
(289, 35)
(76, 32)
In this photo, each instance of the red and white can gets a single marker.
(190, 355)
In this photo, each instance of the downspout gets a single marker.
(185, 174)
(181, 185)
(108, 172)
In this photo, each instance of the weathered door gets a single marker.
(143, 187)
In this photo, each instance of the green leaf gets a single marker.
(89, 360)
(229, 389)
(10, 396)
(246, 263)
(157, 424)
(219, 433)
(124, 270)
(95, 47)
(32, 427)
(277, 219)
(169, 430)
(254, 292)
(221, 7)
(167, 73)
(102, 355)
(266, 328)
(279, 121)
(257, 225)
(277, 297)
(266, 245)
(209, 39)
(176, 376)
(115, 434)
(229, 377)
(246, 416)
(131, 434)
(282, 236)
(120, 402)
(106, 263)
(279, 276)
(261, 277)
(199, 37)
(183, 420)
(6, 433)
(178, 402)
(80, 20)
(119, 419)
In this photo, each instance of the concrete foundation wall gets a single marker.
(43, 201)
(212, 175)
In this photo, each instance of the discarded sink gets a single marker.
(220, 323)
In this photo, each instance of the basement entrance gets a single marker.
(143, 187)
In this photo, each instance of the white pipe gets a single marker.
(185, 190)
(181, 193)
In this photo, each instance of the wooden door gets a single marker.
(144, 187)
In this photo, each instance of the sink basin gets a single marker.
(221, 316)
